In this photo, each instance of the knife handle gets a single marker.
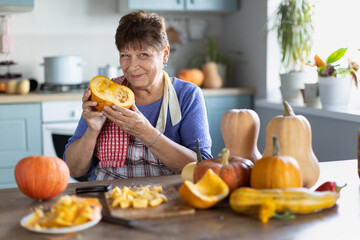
(99, 188)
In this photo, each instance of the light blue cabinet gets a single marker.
(20, 136)
(179, 5)
(16, 2)
(216, 106)
(156, 5)
(211, 5)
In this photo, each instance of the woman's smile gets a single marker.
(137, 76)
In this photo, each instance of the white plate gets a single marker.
(61, 230)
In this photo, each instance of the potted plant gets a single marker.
(216, 66)
(335, 79)
(293, 22)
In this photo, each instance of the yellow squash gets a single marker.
(294, 135)
(296, 200)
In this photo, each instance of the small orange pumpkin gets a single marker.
(193, 75)
(235, 171)
(107, 93)
(276, 171)
(42, 177)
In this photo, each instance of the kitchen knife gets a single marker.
(90, 189)
(130, 223)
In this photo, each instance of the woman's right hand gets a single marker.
(94, 118)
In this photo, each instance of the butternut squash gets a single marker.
(212, 78)
(294, 135)
(240, 131)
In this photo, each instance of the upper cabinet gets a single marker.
(212, 5)
(155, 5)
(8, 7)
(179, 5)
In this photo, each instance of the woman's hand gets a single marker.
(94, 118)
(133, 122)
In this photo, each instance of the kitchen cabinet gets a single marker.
(216, 106)
(20, 136)
(179, 5)
(16, 2)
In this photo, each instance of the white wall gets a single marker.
(245, 30)
(85, 28)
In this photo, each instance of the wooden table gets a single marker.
(339, 222)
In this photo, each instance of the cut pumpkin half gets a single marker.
(207, 192)
(107, 93)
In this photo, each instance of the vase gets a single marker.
(335, 92)
(311, 95)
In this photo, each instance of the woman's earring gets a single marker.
(165, 65)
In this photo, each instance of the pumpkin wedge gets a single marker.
(209, 191)
(107, 93)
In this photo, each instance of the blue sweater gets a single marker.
(193, 125)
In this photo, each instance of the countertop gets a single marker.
(339, 222)
(42, 97)
(352, 115)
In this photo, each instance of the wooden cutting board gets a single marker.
(175, 206)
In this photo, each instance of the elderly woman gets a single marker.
(157, 135)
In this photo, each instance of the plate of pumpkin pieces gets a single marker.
(68, 214)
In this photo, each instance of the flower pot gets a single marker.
(335, 92)
(311, 94)
(291, 84)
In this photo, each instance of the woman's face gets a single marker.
(143, 67)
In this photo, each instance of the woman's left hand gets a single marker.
(132, 122)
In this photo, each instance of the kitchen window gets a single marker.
(335, 24)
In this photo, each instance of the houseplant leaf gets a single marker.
(335, 56)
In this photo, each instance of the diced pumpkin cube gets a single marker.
(140, 203)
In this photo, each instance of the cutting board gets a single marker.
(175, 206)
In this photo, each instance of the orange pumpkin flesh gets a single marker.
(194, 75)
(276, 171)
(107, 93)
(234, 171)
(42, 177)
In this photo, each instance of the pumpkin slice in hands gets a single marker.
(209, 191)
(107, 93)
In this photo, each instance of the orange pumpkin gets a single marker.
(193, 75)
(42, 177)
(276, 171)
(234, 171)
(240, 131)
(107, 93)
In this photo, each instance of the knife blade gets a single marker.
(90, 189)
(130, 223)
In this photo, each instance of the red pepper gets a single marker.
(329, 186)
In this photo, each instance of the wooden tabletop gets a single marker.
(220, 222)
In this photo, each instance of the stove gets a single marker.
(63, 88)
